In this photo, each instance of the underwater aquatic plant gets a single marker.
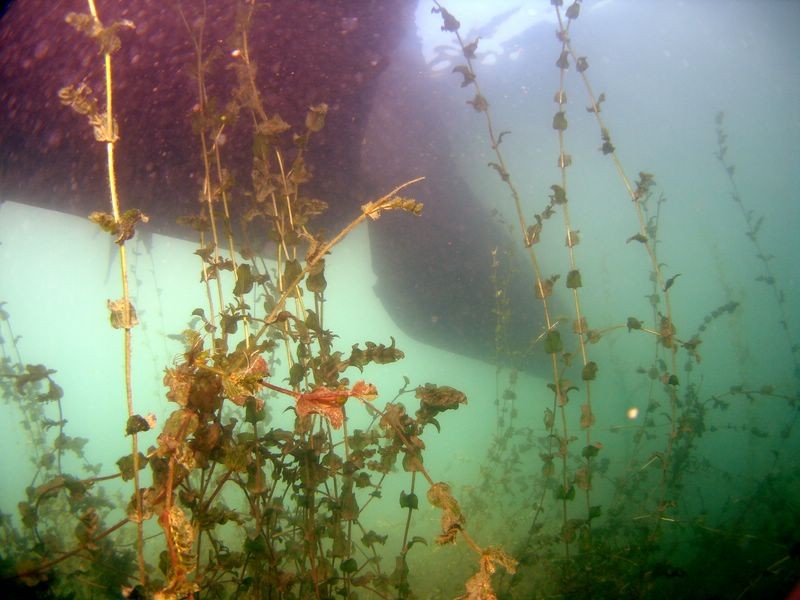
(235, 503)
(327, 402)
(650, 491)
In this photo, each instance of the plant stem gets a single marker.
(112, 186)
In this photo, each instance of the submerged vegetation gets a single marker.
(222, 502)
(631, 529)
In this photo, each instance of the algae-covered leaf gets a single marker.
(573, 238)
(374, 209)
(104, 220)
(106, 37)
(633, 323)
(229, 323)
(315, 282)
(574, 279)
(563, 492)
(291, 272)
(125, 465)
(440, 496)
(416, 540)
(573, 10)
(549, 419)
(643, 185)
(587, 416)
(256, 480)
(469, 49)
(54, 392)
(254, 410)
(449, 22)
(562, 390)
(371, 538)
(552, 342)
(479, 103)
(500, 171)
(466, 73)
(533, 235)
(296, 374)
(255, 546)
(377, 353)
(548, 468)
(244, 280)
(583, 478)
(409, 500)
(364, 391)
(298, 174)
(124, 228)
(181, 422)
(349, 565)
(589, 372)
(412, 461)
(544, 287)
(362, 480)
(273, 126)
(607, 147)
(591, 450)
(593, 336)
(236, 457)
(136, 424)
(580, 326)
(559, 195)
(206, 252)
(196, 222)
(315, 117)
(399, 577)
(84, 22)
(73, 444)
(119, 317)
(641, 238)
(597, 105)
(382, 354)
(127, 224)
(435, 399)
(669, 283)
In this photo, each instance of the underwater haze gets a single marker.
(403, 299)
